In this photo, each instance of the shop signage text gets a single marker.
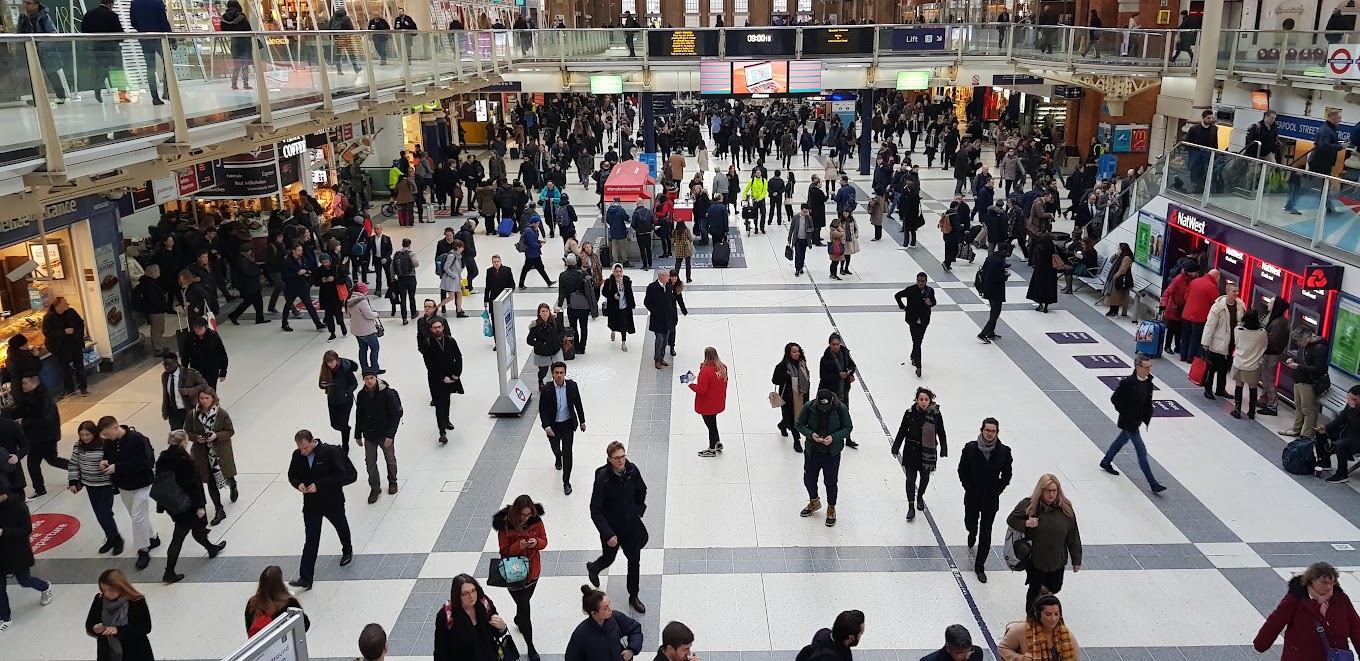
(918, 39)
(1189, 222)
(1271, 271)
(294, 148)
(1306, 128)
(1009, 80)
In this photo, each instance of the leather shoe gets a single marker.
(982, 576)
(143, 560)
(373, 495)
(593, 575)
(214, 551)
(392, 488)
(558, 463)
(637, 605)
(346, 558)
(301, 584)
(566, 488)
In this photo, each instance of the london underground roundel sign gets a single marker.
(1340, 61)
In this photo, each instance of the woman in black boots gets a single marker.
(922, 430)
(193, 519)
(793, 386)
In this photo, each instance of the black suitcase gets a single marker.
(722, 254)
(514, 152)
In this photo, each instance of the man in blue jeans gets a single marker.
(150, 16)
(1133, 401)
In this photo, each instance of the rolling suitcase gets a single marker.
(570, 339)
(1149, 337)
(722, 255)
(505, 227)
(514, 152)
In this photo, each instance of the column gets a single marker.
(865, 110)
(1206, 53)
(759, 11)
(648, 124)
(703, 14)
(673, 13)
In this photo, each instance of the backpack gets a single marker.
(563, 217)
(359, 248)
(521, 245)
(141, 302)
(401, 263)
(261, 620)
(349, 474)
(439, 264)
(1298, 457)
(977, 280)
(643, 220)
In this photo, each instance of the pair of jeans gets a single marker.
(289, 298)
(829, 466)
(561, 441)
(368, 350)
(334, 316)
(800, 247)
(645, 249)
(138, 504)
(371, 448)
(101, 501)
(659, 351)
(536, 263)
(711, 421)
(24, 579)
(1139, 449)
(978, 517)
(406, 294)
(892, 206)
(311, 523)
(1216, 377)
(1191, 334)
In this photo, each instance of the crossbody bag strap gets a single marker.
(1322, 633)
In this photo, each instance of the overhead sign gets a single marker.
(1139, 135)
(1069, 92)
(1306, 128)
(606, 84)
(913, 80)
(1013, 80)
(1343, 61)
(1325, 278)
(663, 104)
(763, 43)
(919, 39)
(838, 41)
(682, 43)
(293, 148)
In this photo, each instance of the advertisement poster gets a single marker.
(1150, 241)
(1346, 336)
(769, 77)
(106, 279)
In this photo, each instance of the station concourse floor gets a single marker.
(1188, 574)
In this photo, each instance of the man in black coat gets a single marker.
(919, 299)
(1132, 399)
(380, 251)
(985, 472)
(958, 216)
(37, 414)
(617, 504)
(16, 556)
(377, 414)
(131, 462)
(1263, 138)
(444, 371)
(204, 351)
(64, 331)
(992, 280)
(297, 284)
(560, 412)
(662, 315)
(318, 472)
(250, 288)
(15, 444)
(958, 646)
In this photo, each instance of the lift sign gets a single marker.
(1325, 278)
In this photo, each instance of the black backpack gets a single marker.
(401, 263)
(349, 474)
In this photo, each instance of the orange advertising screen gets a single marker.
(766, 77)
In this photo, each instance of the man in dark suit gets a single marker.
(317, 472)
(993, 275)
(380, 251)
(1088, 211)
(560, 411)
(660, 304)
(919, 299)
(180, 387)
(443, 370)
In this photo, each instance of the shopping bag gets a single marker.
(467, 288)
(1197, 370)
(487, 329)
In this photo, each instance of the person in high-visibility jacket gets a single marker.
(755, 191)
(394, 174)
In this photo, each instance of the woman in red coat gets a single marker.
(520, 532)
(1313, 599)
(710, 397)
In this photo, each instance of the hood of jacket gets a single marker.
(1300, 591)
(498, 519)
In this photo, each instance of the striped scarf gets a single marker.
(1043, 648)
(208, 418)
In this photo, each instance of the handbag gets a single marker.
(1197, 370)
(775, 400)
(788, 253)
(1058, 263)
(1124, 282)
(378, 324)
(1332, 653)
(487, 329)
(944, 224)
(506, 650)
(342, 291)
(467, 288)
(168, 494)
(501, 570)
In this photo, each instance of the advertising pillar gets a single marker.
(648, 125)
(514, 395)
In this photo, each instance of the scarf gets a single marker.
(1322, 602)
(1041, 648)
(208, 418)
(115, 612)
(985, 448)
(929, 442)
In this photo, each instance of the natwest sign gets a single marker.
(1182, 219)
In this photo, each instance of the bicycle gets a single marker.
(388, 210)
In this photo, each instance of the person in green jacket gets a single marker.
(826, 424)
(1046, 519)
(756, 190)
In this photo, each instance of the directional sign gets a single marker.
(1102, 362)
(1071, 338)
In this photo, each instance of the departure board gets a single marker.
(682, 43)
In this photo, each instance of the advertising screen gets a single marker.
(1346, 336)
(913, 80)
(715, 77)
(838, 41)
(606, 84)
(805, 77)
(760, 43)
(767, 77)
(682, 43)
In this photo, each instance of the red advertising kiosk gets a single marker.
(630, 182)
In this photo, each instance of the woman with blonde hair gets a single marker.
(710, 397)
(1041, 636)
(192, 520)
(1047, 520)
(210, 428)
(271, 599)
(339, 381)
(119, 620)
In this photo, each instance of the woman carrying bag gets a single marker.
(467, 628)
(175, 460)
(271, 599)
(619, 303)
(209, 427)
(793, 386)
(339, 381)
(545, 336)
(1316, 616)
(520, 534)
(1047, 520)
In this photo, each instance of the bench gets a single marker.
(1097, 282)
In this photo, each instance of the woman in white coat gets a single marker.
(451, 277)
(1248, 358)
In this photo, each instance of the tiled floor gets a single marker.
(1186, 575)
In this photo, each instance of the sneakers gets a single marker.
(707, 452)
(46, 597)
(812, 506)
(143, 560)
(830, 516)
(4, 624)
(1338, 478)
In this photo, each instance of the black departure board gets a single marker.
(682, 43)
(838, 41)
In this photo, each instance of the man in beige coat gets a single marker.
(1218, 340)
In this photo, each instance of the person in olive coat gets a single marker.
(985, 472)
(1047, 520)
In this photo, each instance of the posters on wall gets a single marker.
(1150, 241)
(110, 293)
(1346, 336)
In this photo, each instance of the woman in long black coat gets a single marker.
(1043, 283)
(119, 612)
(177, 461)
(619, 303)
(836, 361)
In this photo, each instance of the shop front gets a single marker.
(76, 253)
(1262, 268)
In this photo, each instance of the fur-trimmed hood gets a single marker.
(498, 519)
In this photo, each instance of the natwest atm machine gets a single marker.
(1263, 268)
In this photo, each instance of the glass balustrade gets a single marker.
(120, 98)
(23, 139)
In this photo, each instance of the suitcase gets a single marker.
(506, 226)
(1149, 337)
(722, 254)
(606, 258)
(1197, 370)
(514, 152)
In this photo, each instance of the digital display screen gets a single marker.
(606, 84)
(763, 77)
(913, 80)
(838, 41)
(715, 77)
(760, 43)
(682, 43)
(769, 77)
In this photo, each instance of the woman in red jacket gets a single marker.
(1313, 600)
(710, 397)
(1173, 302)
(520, 532)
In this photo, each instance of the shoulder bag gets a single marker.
(168, 494)
(944, 224)
(1332, 653)
(775, 400)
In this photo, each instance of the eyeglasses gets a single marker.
(618, 457)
